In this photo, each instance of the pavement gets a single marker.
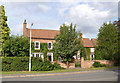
(90, 75)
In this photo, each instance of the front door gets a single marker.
(49, 57)
(92, 57)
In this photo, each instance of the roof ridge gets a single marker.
(45, 29)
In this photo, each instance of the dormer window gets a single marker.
(49, 45)
(37, 45)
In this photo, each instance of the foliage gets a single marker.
(97, 64)
(57, 66)
(16, 46)
(43, 49)
(67, 42)
(21, 64)
(107, 42)
(42, 66)
(4, 29)
(117, 25)
(15, 63)
(3, 25)
(45, 66)
(77, 65)
(85, 52)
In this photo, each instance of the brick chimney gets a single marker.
(24, 28)
(81, 35)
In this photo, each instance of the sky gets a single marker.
(88, 16)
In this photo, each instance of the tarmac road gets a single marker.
(96, 75)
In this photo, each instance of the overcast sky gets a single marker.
(88, 16)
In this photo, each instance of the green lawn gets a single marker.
(54, 71)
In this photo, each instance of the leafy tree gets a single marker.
(4, 29)
(107, 42)
(117, 25)
(17, 46)
(67, 43)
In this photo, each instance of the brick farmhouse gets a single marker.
(47, 36)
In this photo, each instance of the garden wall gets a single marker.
(89, 63)
(64, 65)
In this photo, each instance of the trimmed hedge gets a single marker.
(97, 64)
(15, 63)
(22, 64)
(77, 65)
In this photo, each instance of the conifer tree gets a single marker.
(4, 29)
(3, 24)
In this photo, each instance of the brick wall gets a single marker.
(43, 41)
(89, 63)
(64, 65)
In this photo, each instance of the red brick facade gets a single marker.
(45, 36)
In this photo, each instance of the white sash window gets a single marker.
(37, 45)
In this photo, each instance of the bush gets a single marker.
(103, 65)
(15, 63)
(57, 66)
(22, 64)
(97, 64)
(46, 66)
(77, 64)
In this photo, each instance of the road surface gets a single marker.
(95, 75)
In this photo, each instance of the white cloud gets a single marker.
(44, 8)
(59, 0)
(88, 17)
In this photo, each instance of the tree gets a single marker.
(3, 25)
(17, 46)
(107, 42)
(67, 43)
(117, 25)
(4, 29)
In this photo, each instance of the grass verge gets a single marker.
(54, 71)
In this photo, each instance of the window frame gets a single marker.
(92, 49)
(51, 45)
(38, 45)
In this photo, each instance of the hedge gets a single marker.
(22, 64)
(77, 64)
(15, 63)
(97, 64)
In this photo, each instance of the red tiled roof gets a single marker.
(87, 42)
(50, 34)
(94, 41)
(42, 33)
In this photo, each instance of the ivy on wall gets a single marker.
(44, 49)
(85, 52)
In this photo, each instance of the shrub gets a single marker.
(46, 66)
(103, 65)
(22, 64)
(77, 64)
(57, 66)
(14, 63)
(97, 64)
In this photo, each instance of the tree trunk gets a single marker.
(67, 64)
